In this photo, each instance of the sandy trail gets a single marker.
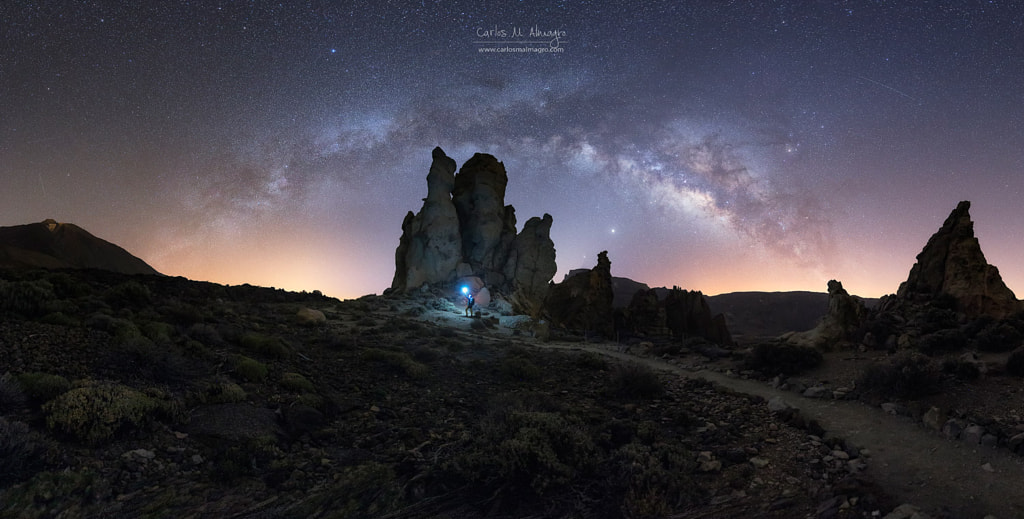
(913, 464)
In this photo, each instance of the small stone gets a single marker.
(197, 459)
(711, 466)
(934, 418)
(890, 408)
(816, 392)
(374, 409)
(180, 435)
(840, 455)
(972, 434)
(777, 404)
(759, 462)
(988, 467)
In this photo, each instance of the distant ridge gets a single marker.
(54, 245)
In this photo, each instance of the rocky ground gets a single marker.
(159, 397)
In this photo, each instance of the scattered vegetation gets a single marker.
(43, 387)
(399, 361)
(297, 383)
(778, 358)
(906, 375)
(633, 380)
(250, 370)
(95, 413)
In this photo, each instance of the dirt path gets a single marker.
(913, 464)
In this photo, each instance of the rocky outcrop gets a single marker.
(50, 244)
(430, 247)
(845, 316)
(681, 313)
(531, 265)
(687, 314)
(464, 229)
(952, 265)
(584, 301)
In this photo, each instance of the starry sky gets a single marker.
(718, 146)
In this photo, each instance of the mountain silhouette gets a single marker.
(50, 244)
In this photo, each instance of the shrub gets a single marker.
(633, 380)
(22, 452)
(27, 298)
(774, 358)
(1015, 363)
(961, 369)
(43, 387)
(591, 361)
(12, 398)
(907, 375)
(94, 414)
(269, 346)
(397, 360)
(530, 451)
(655, 483)
(297, 383)
(219, 393)
(518, 368)
(997, 338)
(942, 341)
(128, 294)
(250, 370)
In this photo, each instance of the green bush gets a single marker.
(22, 452)
(518, 368)
(997, 338)
(94, 414)
(531, 451)
(268, 346)
(297, 383)
(130, 294)
(12, 397)
(62, 493)
(634, 380)
(942, 341)
(654, 482)
(27, 298)
(43, 387)
(250, 370)
(775, 358)
(906, 375)
(219, 393)
(397, 360)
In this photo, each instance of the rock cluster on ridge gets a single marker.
(584, 301)
(682, 313)
(465, 229)
(952, 264)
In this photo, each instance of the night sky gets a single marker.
(718, 146)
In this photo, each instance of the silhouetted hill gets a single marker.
(50, 244)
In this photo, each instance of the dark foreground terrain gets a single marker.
(147, 396)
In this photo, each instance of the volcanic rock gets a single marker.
(584, 301)
(531, 265)
(50, 244)
(845, 315)
(488, 226)
(465, 230)
(430, 247)
(952, 264)
(687, 314)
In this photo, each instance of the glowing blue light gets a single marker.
(465, 290)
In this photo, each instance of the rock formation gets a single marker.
(50, 244)
(531, 265)
(845, 315)
(430, 247)
(584, 301)
(952, 265)
(465, 229)
(687, 314)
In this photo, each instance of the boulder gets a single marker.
(687, 314)
(953, 265)
(845, 315)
